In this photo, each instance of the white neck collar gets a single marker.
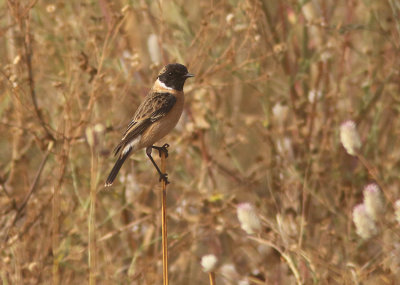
(162, 85)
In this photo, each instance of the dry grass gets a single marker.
(274, 80)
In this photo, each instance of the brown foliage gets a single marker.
(274, 80)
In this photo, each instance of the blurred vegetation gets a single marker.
(274, 81)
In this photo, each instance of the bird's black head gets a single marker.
(174, 75)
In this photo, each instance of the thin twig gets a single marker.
(211, 275)
(27, 227)
(123, 228)
(374, 173)
(92, 219)
(34, 183)
(62, 158)
(55, 237)
(28, 61)
(164, 220)
(284, 255)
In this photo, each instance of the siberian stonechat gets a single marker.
(155, 118)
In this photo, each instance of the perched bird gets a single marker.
(155, 118)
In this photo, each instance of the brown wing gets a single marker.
(154, 107)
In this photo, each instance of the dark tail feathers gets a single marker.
(116, 168)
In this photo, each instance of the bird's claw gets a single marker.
(164, 177)
(162, 149)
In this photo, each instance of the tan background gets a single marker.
(274, 81)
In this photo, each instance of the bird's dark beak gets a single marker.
(187, 75)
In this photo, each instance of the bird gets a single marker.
(155, 117)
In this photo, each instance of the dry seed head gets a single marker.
(393, 258)
(17, 59)
(208, 262)
(397, 210)
(314, 95)
(229, 272)
(248, 218)
(154, 49)
(89, 136)
(94, 134)
(280, 113)
(50, 8)
(229, 18)
(292, 18)
(373, 201)
(365, 226)
(349, 137)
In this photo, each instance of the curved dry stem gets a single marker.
(285, 256)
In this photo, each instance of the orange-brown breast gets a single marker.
(163, 126)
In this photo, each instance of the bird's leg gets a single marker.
(162, 149)
(163, 176)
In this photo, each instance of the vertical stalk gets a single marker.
(92, 220)
(211, 275)
(164, 221)
(55, 235)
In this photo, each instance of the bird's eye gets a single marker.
(170, 73)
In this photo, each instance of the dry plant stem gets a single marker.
(28, 57)
(285, 256)
(164, 221)
(92, 220)
(371, 170)
(211, 275)
(374, 174)
(303, 207)
(55, 239)
(122, 229)
(12, 53)
(89, 108)
(34, 183)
